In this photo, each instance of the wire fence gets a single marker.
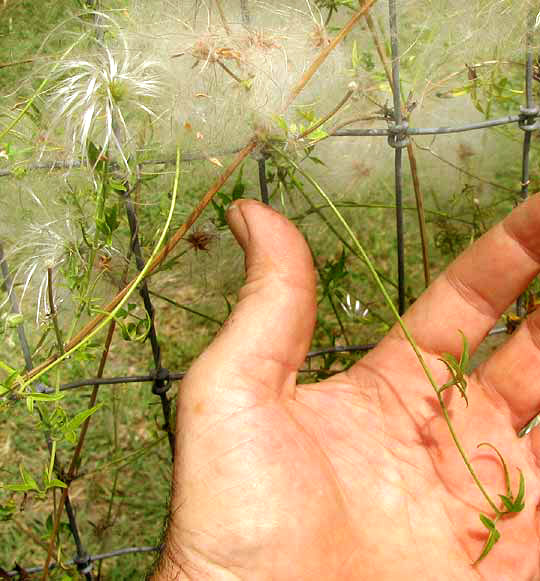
(398, 134)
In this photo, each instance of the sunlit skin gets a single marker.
(356, 477)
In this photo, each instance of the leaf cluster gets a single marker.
(457, 369)
(511, 504)
(222, 200)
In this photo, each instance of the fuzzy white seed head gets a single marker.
(94, 95)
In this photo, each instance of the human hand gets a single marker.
(356, 477)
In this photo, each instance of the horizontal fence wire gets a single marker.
(90, 558)
(523, 120)
(523, 117)
(77, 163)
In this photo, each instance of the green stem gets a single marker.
(124, 460)
(51, 463)
(465, 457)
(192, 311)
(410, 338)
(87, 287)
(336, 313)
(336, 233)
(53, 313)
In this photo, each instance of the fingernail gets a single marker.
(237, 224)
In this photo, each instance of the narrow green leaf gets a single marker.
(493, 537)
(450, 361)
(14, 320)
(27, 478)
(518, 502)
(17, 487)
(464, 359)
(486, 521)
(457, 376)
(55, 483)
(71, 437)
(508, 503)
(46, 396)
(76, 421)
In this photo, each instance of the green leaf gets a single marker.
(316, 160)
(519, 504)
(457, 369)
(282, 123)
(487, 522)
(10, 383)
(451, 362)
(27, 478)
(17, 487)
(508, 503)
(493, 537)
(464, 359)
(28, 482)
(71, 437)
(14, 320)
(46, 397)
(511, 503)
(239, 188)
(94, 154)
(75, 422)
(318, 134)
(55, 483)
(117, 185)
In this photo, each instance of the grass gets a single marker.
(121, 495)
(24, 26)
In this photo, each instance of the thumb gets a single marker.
(266, 338)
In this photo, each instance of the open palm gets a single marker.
(356, 477)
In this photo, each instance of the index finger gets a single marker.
(474, 291)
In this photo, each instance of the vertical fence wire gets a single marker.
(161, 382)
(527, 123)
(398, 140)
(529, 110)
(263, 182)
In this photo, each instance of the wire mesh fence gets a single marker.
(399, 134)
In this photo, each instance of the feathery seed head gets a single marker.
(48, 243)
(94, 95)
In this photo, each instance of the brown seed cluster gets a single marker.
(200, 239)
